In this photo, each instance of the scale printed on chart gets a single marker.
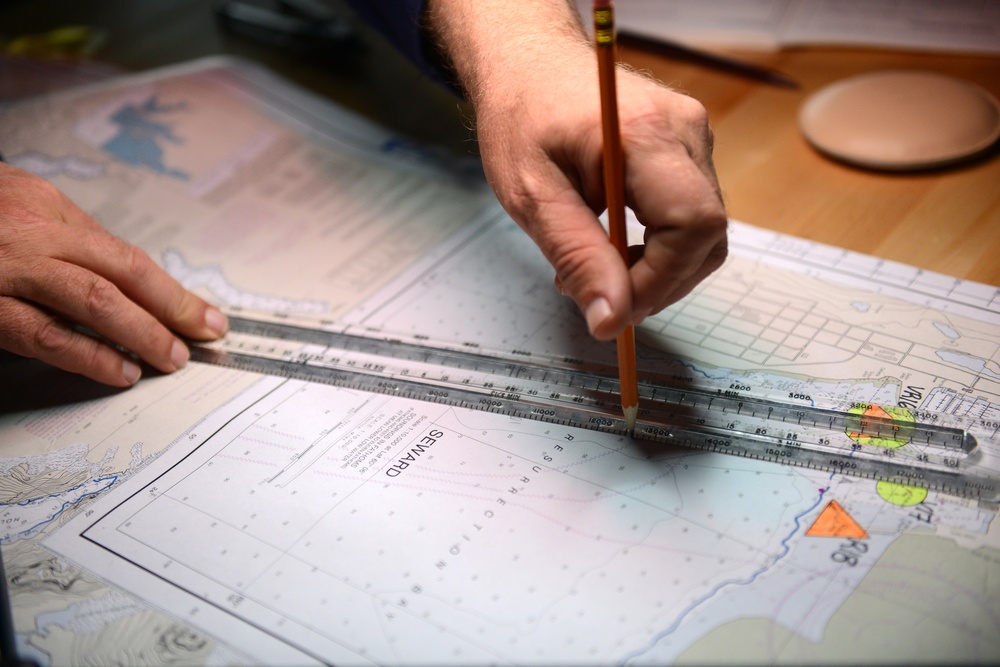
(914, 448)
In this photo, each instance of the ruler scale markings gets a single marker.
(937, 452)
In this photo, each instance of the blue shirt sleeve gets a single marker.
(399, 22)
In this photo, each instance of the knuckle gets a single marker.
(181, 310)
(717, 257)
(519, 192)
(714, 223)
(137, 263)
(178, 306)
(686, 111)
(694, 112)
(708, 237)
(680, 129)
(51, 339)
(101, 298)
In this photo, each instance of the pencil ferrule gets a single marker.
(604, 26)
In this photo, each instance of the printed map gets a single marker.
(215, 516)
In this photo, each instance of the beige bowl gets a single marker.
(901, 120)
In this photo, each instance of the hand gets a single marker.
(531, 74)
(60, 270)
(543, 158)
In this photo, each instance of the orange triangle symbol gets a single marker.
(834, 521)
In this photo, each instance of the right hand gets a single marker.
(531, 73)
(542, 155)
(60, 270)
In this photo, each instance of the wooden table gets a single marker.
(946, 220)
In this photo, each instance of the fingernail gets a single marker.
(179, 354)
(130, 371)
(216, 321)
(597, 313)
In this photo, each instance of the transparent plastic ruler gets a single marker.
(914, 448)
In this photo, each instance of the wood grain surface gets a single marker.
(945, 220)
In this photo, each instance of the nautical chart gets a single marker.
(278, 521)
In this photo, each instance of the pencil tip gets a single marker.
(631, 412)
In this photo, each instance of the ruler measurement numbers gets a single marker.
(923, 449)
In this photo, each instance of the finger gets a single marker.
(81, 240)
(147, 285)
(673, 261)
(685, 238)
(88, 299)
(32, 333)
(715, 259)
(682, 287)
(588, 267)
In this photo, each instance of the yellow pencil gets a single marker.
(614, 189)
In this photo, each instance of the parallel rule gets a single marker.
(914, 448)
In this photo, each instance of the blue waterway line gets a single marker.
(65, 506)
(731, 582)
(695, 369)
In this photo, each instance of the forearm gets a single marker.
(497, 47)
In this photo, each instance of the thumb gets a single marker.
(588, 268)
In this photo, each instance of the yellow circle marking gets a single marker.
(901, 494)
